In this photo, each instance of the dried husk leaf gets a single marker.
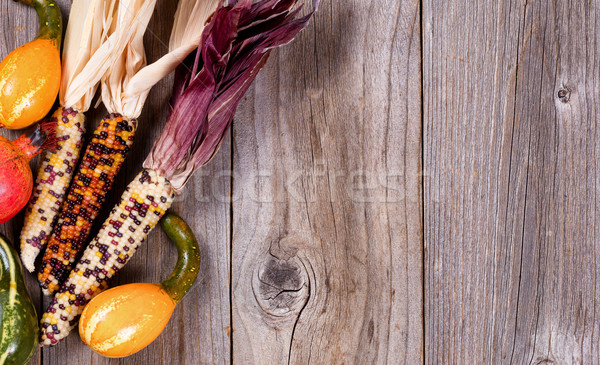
(235, 45)
(126, 85)
(188, 26)
(87, 51)
(132, 20)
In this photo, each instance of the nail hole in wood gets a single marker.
(564, 94)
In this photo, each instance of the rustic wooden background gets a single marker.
(408, 182)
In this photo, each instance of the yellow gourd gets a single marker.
(30, 75)
(125, 319)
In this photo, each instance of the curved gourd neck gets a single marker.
(188, 258)
(50, 19)
(6, 263)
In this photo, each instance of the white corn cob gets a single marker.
(142, 205)
(54, 176)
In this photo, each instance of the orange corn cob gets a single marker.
(54, 176)
(101, 162)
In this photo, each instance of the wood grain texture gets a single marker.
(309, 218)
(327, 234)
(511, 185)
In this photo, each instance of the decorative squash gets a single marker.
(125, 319)
(30, 75)
(16, 180)
(19, 324)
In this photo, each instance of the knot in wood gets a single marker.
(564, 94)
(281, 286)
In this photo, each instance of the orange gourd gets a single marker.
(125, 319)
(30, 75)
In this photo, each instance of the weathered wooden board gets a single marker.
(511, 183)
(327, 229)
(199, 329)
(310, 217)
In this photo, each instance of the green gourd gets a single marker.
(19, 324)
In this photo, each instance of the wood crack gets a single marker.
(509, 179)
(298, 318)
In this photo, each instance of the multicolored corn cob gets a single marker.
(206, 94)
(101, 162)
(54, 176)
(142, 205)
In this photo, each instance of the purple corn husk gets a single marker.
(235, 45)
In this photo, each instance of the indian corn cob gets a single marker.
(101, 162)
(124, 88)
(122, 93)
(52, 182)
(85, 58)
(107, 149)
(205, 103)
(142, 205)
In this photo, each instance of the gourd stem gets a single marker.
(188, 257)
(50, 19)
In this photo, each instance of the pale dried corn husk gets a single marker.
(126, 85)
(87, 51)
(132, 20)
(190, 20)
